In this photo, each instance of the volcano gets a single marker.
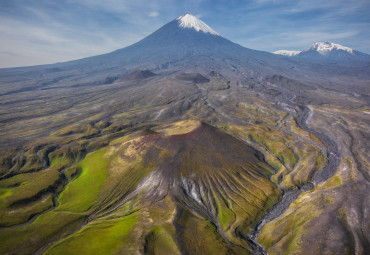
(183, 41)
(332, 52)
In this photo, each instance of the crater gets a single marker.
(179, 128)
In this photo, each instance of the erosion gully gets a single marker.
(290, 196)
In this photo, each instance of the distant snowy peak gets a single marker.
(190, 21)
(325, 47)
(326, 51)
(288, 53)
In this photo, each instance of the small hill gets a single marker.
(193, 77)
(138, 75)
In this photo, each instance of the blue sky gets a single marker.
(45, 31)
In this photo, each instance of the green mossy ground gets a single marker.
(79, 195)
(27, 185)
(283, 235)
(199, 236)
(25, 195)
(294, 160)
(44, 229)
(20, 214)
(160, 241)
(99, 237)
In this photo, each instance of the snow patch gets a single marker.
(189, 185)
(288, 53)
(310, 114)
(150, 182)
(190, 21)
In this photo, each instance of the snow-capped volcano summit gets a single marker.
(326, 51)
(332, 52)
(324, 48)
(190, 21)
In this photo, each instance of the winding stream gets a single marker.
(290, 196)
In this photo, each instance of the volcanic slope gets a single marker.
(185, 186)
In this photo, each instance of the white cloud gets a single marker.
(47, 36)
(265, 1)
(322, 36)
(335, 6)
(29, 44)
(119, 6)
(153, 14)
